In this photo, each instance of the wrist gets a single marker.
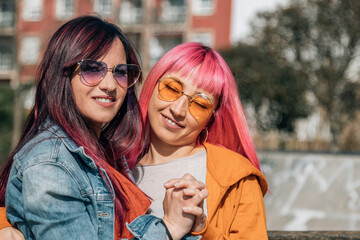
(171, 231)
(203, 228)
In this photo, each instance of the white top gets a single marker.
(151, 178)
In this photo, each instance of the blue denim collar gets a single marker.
(69, 143)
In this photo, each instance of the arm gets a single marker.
(248, 216)
(47, 204)
(10, 233)
(149, 227)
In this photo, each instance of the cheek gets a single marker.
(77, 94)
(153, 104)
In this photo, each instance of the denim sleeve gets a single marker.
(48, 204)
(148, 227)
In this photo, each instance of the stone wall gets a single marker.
(312, 192)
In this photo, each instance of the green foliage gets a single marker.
(273, 88)
(351, 99)
(6, 122)
(311, 42)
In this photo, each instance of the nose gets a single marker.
(180, 107)
(108, 82)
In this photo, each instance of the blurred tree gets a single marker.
(6, 122)
(320, 41)
(8, 99)
(271, 87)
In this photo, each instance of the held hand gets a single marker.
(178, 222)
(194, 193)
(186, 182)
(10, 233)
(200, 217)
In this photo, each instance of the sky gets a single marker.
(243, 11)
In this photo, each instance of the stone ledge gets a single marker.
(313, 235)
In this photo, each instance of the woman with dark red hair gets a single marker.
(65, 178)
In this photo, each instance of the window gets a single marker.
(32, 10)
(203, 7)
(204, 38)
(30, 50)
(64, 9)
(7, 49)
(102, 7)
(7, 13)
(130, 12)
(173, 11)
(5, 60)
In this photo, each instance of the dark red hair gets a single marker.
(85, 37)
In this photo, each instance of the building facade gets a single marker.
(154, 26)
(8, 71)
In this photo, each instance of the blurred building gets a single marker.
(154, 26)
(8, 72)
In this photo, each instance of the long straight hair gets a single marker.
(86, 37)
(209, 71)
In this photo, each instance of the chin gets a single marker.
(103, 121)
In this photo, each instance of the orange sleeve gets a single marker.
(3, 219)
(248, 215)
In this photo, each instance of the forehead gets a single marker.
(115, 54)
(188, 81)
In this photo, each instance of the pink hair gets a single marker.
(229, 127)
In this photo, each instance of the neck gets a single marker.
(160, 152)
(97, 129)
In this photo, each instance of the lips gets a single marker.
(172, 122)
(105, 101)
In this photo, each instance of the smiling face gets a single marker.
(100, 103)
(171, 122)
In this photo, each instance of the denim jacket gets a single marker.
(55, 191)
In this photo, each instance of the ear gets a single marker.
(203, 135)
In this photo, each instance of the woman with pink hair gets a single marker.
(194, 123)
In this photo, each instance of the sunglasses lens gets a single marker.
(126, 75)
(200, 107)
(92, 72)
(169, 89)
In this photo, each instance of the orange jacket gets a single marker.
(3, 219)
(235, 203)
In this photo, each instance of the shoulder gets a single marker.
(43, 147)
(48, 160)
(48, 147)
(229, 167)
(222, 157)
